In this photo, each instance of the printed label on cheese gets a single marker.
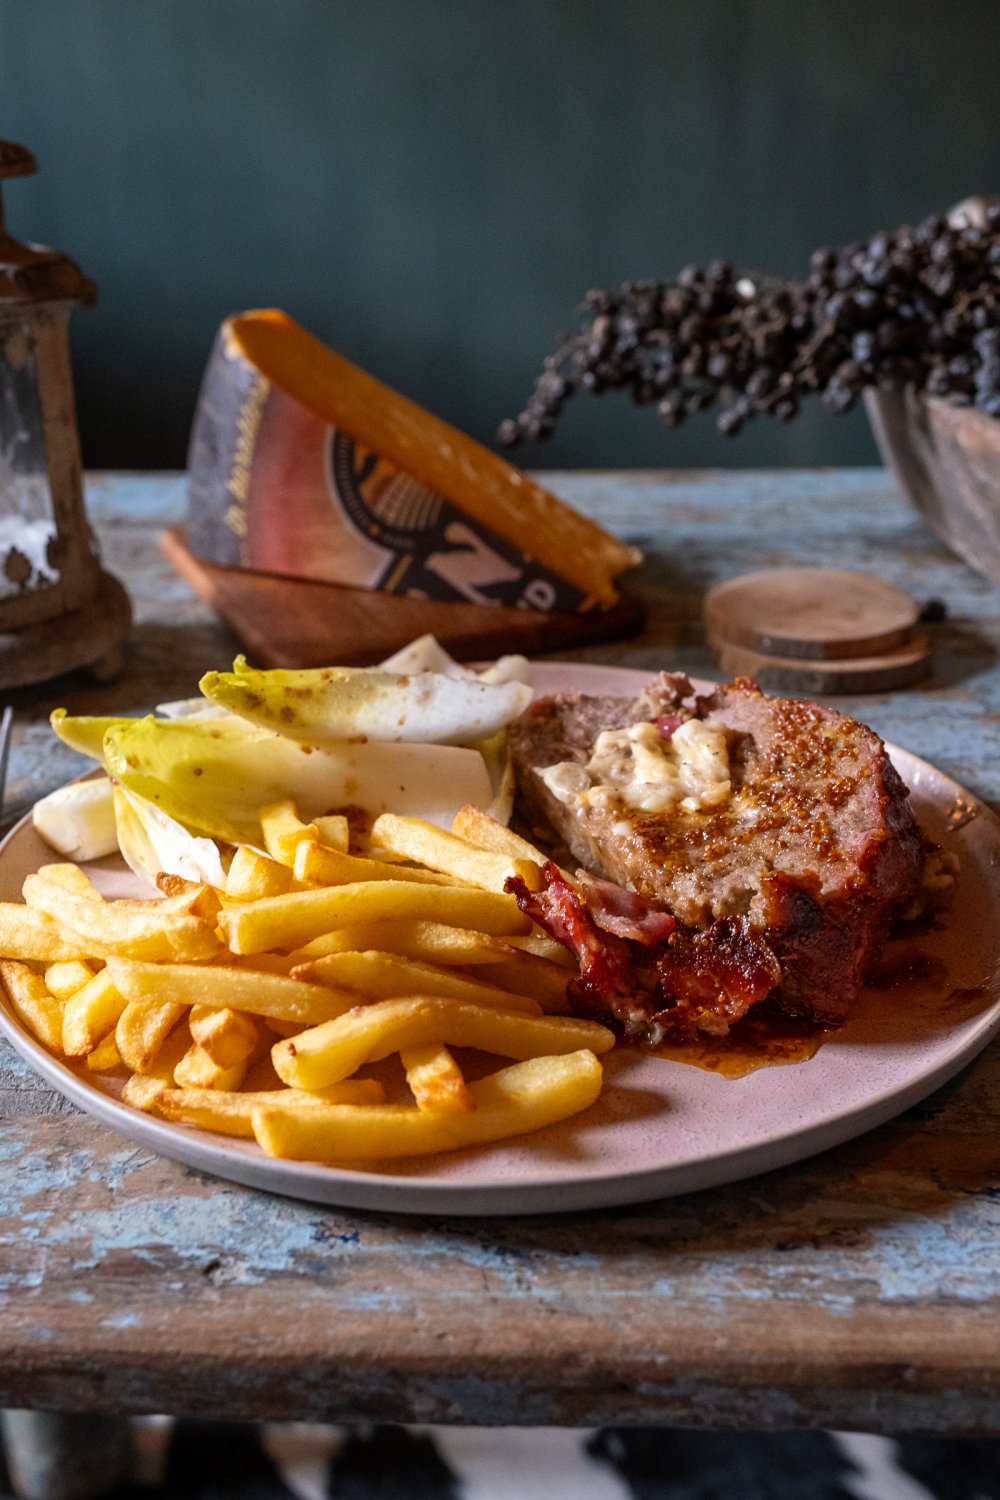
(275, 488)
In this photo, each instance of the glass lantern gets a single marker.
(49, 567)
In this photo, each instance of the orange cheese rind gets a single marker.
(481, 483)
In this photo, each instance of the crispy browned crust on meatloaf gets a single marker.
(816, 845)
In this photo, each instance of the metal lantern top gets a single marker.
(34, 273)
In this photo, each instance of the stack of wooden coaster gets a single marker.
(817, 630)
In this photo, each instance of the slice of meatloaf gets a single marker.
(815, 850)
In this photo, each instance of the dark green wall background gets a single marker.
(432, 185)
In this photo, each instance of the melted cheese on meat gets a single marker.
(636, 768)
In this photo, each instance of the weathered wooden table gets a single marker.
(858, 1290)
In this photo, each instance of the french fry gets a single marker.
(433, 942)
(196, 1070)
(543, 946)
(71, 878)
(248, 1010)
(191, 896)
(282, 1028)
(385, 975)
(201, 899)
(419, 840)
(105, 1058)
(477, 827)
(32, 1003)
(334, 831)
(518, 1099)
(262, 1078)
(435, 1079)
(328, 1053)
(143, 1027)
(231, 1113)
(315, 864)
(141, 1091)
(526, 974)
(154, 930)
(289, 921)
(64, 978)
(366, 850)
(261, 963)
(227, 1036)
(282, 829)
(32, 937)
(91, 1014)
(253, 876)
(229, 988)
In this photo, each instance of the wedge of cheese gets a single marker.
(301, 463)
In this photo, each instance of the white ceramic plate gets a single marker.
(660, 1127)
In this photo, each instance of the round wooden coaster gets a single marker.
(899, 668)
(814, 613)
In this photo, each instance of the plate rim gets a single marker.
(387, 1192)
(349, 1188)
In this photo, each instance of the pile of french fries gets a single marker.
(315, 1002)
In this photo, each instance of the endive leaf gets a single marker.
(84, 733)
(213, 775)
(340, 703)
(151, 841)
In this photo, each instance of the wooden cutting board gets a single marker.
(291, 622)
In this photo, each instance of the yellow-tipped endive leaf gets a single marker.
(213, 775)
(84, 734)
(151, 841)
(341, 703)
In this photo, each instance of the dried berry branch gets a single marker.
(920, 307)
